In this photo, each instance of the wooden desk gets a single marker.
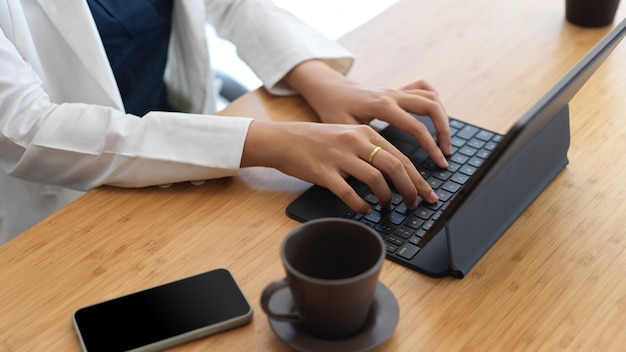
(556, 280)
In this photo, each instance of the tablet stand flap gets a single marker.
(505, 193)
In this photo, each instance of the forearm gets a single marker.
(314, 78)
(311, 75)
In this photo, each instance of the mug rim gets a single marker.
(377, 265)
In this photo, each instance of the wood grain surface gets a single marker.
(556, 280)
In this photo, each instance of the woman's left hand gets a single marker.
(337, 99)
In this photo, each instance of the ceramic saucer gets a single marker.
(380, 325)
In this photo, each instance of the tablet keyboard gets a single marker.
(402, 228)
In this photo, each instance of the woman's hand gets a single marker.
(325, 154)
(339, 100)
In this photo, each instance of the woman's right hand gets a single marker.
(325, 154)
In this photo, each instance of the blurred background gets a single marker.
(332, 18)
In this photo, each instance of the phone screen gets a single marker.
(193, 307)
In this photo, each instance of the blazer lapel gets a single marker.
(74, 22)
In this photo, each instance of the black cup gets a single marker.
(332, 268)
(591, 13)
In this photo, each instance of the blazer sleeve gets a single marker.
(82, 146)
(272, 41)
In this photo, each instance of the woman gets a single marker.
(120, 93)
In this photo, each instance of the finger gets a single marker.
(403, 174)
(426, 94)
(338, 186)
(421, 84)
(371, 176)
(424, 104)
(393, 168)
(400, 118)
(424, 89)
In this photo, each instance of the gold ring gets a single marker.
(373, 154)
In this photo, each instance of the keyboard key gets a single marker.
(367, 223)
(442, 174)
(451, 187)
(467, 132)
(407, 251)
(396, 218)
(374, 216)
(484, 135)
(459, 178)
(434, 183)
(444, 196)
(468, 151)
(453, 167)
(468, 170)
(414, 222)
(456, 124)
(385, 228)
(423, 213)
(404, 232)
(491, 146)
(476, 162)
(476, 143)
(390, 247)
(460, 159)
(394, 240)
(483, 153)
(458, 142)
(428, 224)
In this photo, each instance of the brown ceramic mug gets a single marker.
(332, 268)
(591, 13)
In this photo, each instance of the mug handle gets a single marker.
(266, 296)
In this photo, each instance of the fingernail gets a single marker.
(433, 196)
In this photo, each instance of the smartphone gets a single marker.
(165, 315)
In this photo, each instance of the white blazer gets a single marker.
(62, 121)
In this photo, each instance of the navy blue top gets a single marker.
(136, 37)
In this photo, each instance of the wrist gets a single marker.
(263, 144)
(313, 77)
(317, 83)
